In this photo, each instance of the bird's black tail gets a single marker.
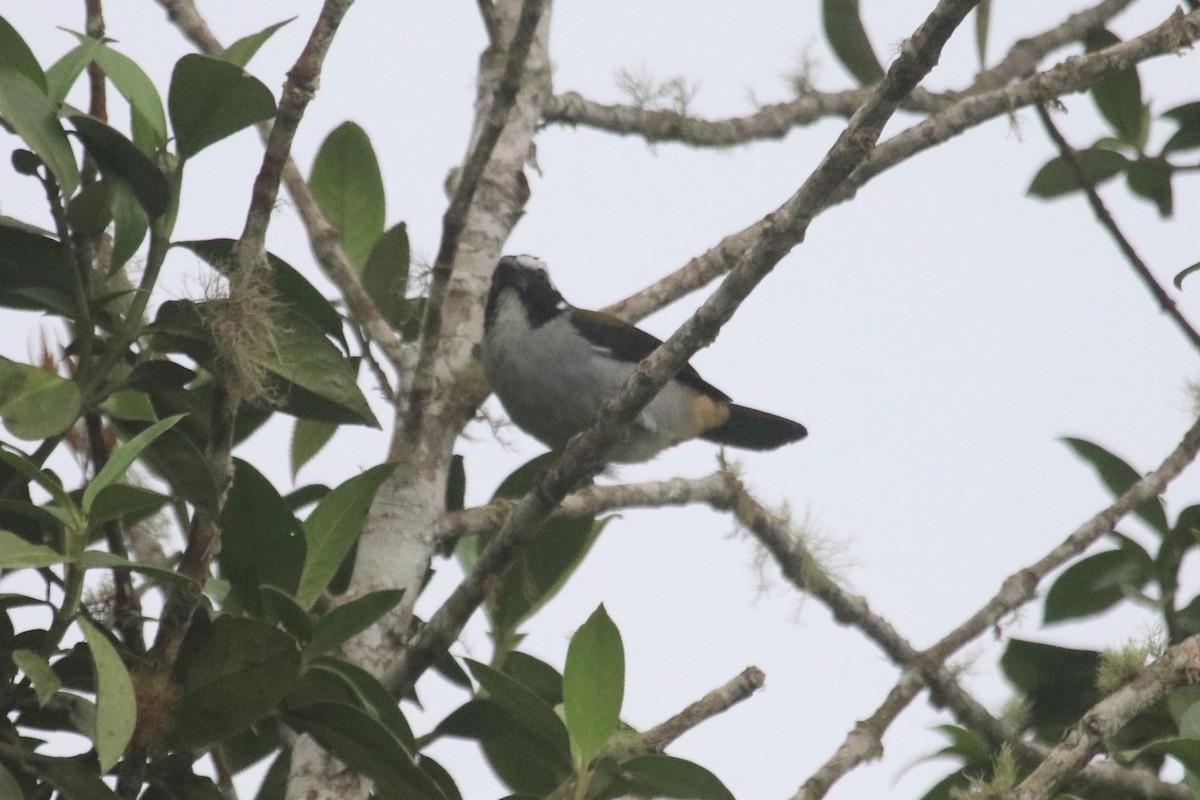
(752, 429)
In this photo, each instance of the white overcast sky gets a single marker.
(937, 335)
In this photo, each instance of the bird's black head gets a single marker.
(526, 276)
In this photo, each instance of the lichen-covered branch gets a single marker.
(718, 701)
(776, 120)
(1179, 666)
(712, 490)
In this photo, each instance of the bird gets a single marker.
(553, 365)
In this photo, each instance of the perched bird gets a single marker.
(553, 365)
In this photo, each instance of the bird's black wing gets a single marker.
(627, 343)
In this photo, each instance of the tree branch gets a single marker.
(1179, 666)
(590, 501)
(487, 12)
(455, 219)
(1074, 75)
(778, 119)
(298, 90)
(785, 228)
(718, 701)
(1165, 303)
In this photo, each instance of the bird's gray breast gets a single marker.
(552, 381)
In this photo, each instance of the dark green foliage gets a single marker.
(844, 30)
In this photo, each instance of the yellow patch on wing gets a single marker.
(707, 414)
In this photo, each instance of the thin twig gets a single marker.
(1165, 303)
(718, 701)
(584, 454)
(455, 219)
(381, 377)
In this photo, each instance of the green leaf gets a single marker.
(240, 52)
(324, 383)
(1151, 178)
(148, 121)
(1188, 135)
(74, 778)
(35, 272)
(1097, 583)
(844, 30)
(1059, 683)
(1178, 281)
(16, 55)
(116, 706)
(99, 559)
(333, 527)
(308, 439)
(346, 183)
(1119, 96)
(529, 710)
(16, 553)
(441, 778)
(263, 543)
(666, 776)
(278, 605)
(1119, 477)
(385, 276)
(375, 699)
(88, 211)
(9, 786)
(350, 619)
(47, 480)
(45, 682)
(63, 73)
(122, 459)
(177, 459)
(130, 221)
(1057, 176)
(593, 685)
(367, 747)
(121, 501)
(275, 783)
(36, 404)
(983, 15)
(120, 159)
(535, 675)
(211, 99)
(25, 106)
(1184, 750)
(520, 757)
(230, 674)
